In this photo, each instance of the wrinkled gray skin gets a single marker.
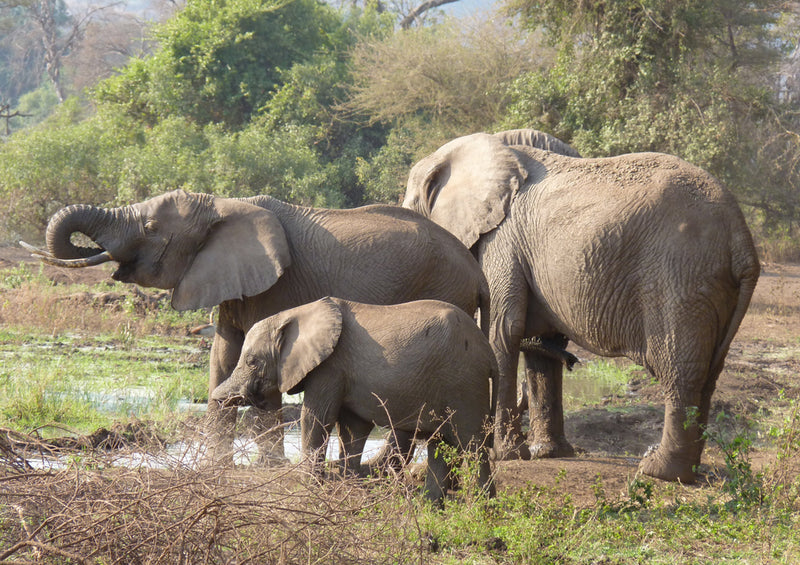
(642, 255)
(421, 367)
(258, 256)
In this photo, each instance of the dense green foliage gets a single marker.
(695, 79)
(240, 99)
(219, 62)
(331, 107)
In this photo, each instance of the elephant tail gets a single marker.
(746, 270)
(484, 310)
(494, 380)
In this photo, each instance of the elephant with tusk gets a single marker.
(258, 256)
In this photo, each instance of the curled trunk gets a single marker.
(106, 227)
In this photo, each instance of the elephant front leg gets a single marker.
(266, 423)
(353, 435)
(314, 436)
(509, 292)
(545, 404)
(509, 442)
(267, 426)
(220, 422)
(318, 417)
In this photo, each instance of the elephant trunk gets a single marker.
(106, 227)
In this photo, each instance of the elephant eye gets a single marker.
(251, 361)
(150, 226)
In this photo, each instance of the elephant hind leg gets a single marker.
(438, 479)
(687, 403)
(545, 404)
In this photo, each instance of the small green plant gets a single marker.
(640, 494)
(125, 336)
(17, 277)
(743, 484)
(464, 472)
(784, 482)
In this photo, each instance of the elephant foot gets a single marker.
(552, 449)
(383, 466)
(513, 452)
(658, 465)
(218, 454)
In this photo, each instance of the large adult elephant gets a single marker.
(641, 255)
(258, 256)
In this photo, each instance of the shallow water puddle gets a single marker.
(190, 454)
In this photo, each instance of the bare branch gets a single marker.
(414, 14)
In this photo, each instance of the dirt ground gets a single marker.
(611, 437)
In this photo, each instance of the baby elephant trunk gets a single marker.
(233, 391)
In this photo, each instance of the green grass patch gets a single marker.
(588, 383)
(87, 381)
(537, 525)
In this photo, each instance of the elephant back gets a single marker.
(538, 139)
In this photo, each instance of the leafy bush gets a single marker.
(58, 162)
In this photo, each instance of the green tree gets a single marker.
(689, 77)
(275, 127)
(61, 161)
(21, 54)
(221, 61)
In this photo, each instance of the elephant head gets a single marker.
(468, 184)
(206, 249)
(281, 350)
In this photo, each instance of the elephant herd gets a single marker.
(370, 310)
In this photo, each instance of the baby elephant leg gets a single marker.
(353, 435)
(438, 479)
(314, 439)
(396, 453)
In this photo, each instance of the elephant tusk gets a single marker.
(34, 250)
(98, 259)
(48, 258)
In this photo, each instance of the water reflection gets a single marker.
(187, 454)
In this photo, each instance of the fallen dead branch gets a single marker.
(90, 511)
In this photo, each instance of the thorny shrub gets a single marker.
(91, 512)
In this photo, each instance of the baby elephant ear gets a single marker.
(244, 254)
(307, 336)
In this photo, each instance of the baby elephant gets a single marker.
(421, 367)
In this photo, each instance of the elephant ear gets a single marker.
(307, 335)
(245, 253)
(467, 185)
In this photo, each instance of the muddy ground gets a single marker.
(764, 359)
